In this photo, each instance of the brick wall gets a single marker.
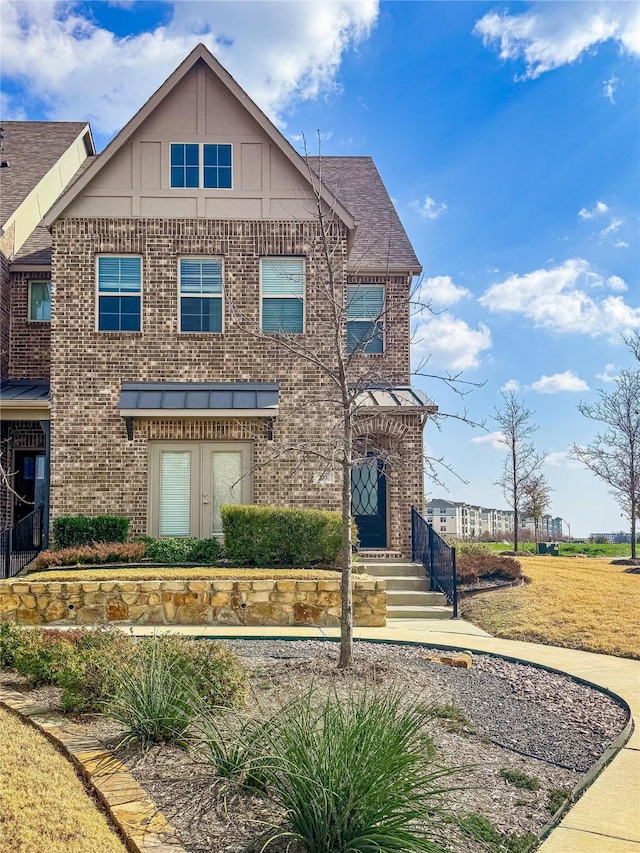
(94, 467)
(30, 345)
(6, 247)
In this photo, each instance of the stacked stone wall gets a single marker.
(190, 602)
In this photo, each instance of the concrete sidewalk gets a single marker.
(606, 819)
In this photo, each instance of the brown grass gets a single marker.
(579, 603)
(43, 805)
(143, 573)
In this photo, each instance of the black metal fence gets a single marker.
(20, 544)
(437, 557)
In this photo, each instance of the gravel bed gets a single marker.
(518, 718)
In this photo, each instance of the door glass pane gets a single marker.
(226, 473)
(364, 490)
(175, 494)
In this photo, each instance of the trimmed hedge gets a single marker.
(73, 531)
(176, 549)
(103, 552)
(270, 536)
(473, 567)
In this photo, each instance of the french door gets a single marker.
(190, 480)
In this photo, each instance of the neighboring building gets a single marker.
(619, 538)
(152, 374)
(460, 520)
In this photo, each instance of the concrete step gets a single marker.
(379, 555)
(395, 611)
(388, 570)
(412, 598)
(414, 583)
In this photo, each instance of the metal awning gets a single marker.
(24, 400)
(396, 399)
(199, 400)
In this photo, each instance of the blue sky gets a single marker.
(506, 133)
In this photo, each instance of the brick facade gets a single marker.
(96, 469)
(30, 343)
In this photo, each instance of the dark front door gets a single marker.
(28, 482)
(369, 503)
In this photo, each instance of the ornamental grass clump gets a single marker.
(354, 775)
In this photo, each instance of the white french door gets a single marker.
(190, 480)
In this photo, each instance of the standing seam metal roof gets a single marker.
(199, 395)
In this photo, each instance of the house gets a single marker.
(153, 378)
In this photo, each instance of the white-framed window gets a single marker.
(200, 294)
(201, 165)
(282, 291)
(119, 290)
(40, 301)
(365, 308)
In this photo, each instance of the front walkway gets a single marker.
(606, 819)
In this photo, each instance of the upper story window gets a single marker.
(282, 294)
(200, 295)
(365, 306)
(196, 165)
(119, 292)
(40, 301)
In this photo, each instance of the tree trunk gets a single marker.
(514, 461)
(346, 618)
(634, 511)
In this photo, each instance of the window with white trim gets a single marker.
(282, 285)
(40, 301)
(365, 307)
(195, 165)
(119, 293)
(200, 285)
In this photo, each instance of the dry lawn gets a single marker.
(142, 573)
(43, 805)
(579, 603)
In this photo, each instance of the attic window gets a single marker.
(4, 164)
(197, 166)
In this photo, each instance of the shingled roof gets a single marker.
(31, 148)
(381, 242)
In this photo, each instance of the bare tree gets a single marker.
(523, 461)
(537, 499)
(614, 454)
(633, 342)
(335, 354)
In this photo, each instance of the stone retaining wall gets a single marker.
(190, 602)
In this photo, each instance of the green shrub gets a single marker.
(480, 828)
(230, 744)
(11, 638)
(486, 566)
(71, 531)
(465, 548)
(42, 654)
(520, 780)
(104, 552)
(177, 550)
(268, 536)
(152, 699)
(353, 775)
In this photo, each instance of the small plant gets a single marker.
(480, 828)
(152, 699)
(11, 638)
(455, 720)
(354, 775)
(519, 779)
(41, 655)
(557, 797)
(72, 531)
(104, 552)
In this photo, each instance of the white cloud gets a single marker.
(558, 382)
(429, 208)
(611, 228)
(609, 374)
(511, 385)
(555, 299)
(600, 207)
(609, 88)
(291, 51)
(549, 35)
(440, 292)
(451, 342)
(561, 459)
(621, 244)
(617, 284)
(496, 440)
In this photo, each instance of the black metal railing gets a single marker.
(20, 544)
(437, 557)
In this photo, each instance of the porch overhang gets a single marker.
(24, 400)
(169, 400)
(398, 399)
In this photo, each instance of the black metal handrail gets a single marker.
(437, 557)
(20, 544)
